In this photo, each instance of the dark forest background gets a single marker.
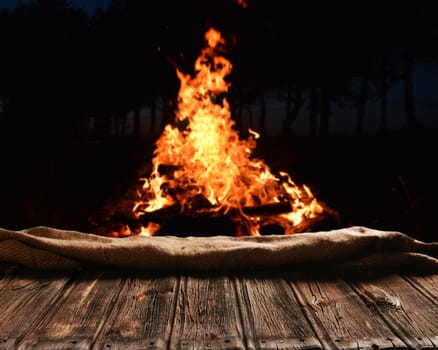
(84, 96)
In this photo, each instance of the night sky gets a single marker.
(425, 79)
(88, 5)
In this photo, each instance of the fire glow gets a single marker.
(202, 167)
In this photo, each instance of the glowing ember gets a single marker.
(201, 165)
(242, 3)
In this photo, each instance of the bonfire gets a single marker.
(201, 167)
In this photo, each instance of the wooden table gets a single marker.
(287, 309)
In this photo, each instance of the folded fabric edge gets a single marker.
(15, 251)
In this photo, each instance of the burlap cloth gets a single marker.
(354, 247)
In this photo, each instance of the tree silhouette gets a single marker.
(124, 58)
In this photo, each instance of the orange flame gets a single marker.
(206, 158)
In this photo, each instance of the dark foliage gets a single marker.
(69, 82)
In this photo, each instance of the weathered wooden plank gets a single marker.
(338, 315)
(25, 298)
(426, 283)
(75, 320)
(207, 314)
(3, 269)
(272, 316)
(143, 315)
(6, 273)
(410, 315)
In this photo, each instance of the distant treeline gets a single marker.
(61, 69)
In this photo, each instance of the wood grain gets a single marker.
(426, 283)
(7, 273)
(284, 309)
(74, 321)
(143, 314)
(338, 315)
(411, 316)
(207, 314)
(272, 316)
(24, 300)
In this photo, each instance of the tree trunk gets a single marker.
(324, 113)
(262, 113)
(286, 128)
(409, 89)
(292, 112)
(120, 122)
(153, 113)
(84, 125)
(136, 127)
(313, 106)
(383, 104)
(168, 111)
(239, 116)
(237, 104)
(362, 100)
